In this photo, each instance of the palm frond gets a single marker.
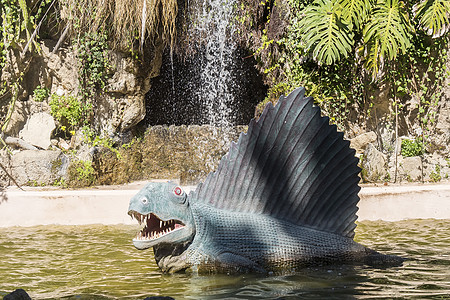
(433, 16)
(374, 62)
(355, 11)
(325, 33)
(388, 31)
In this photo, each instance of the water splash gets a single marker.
(213, 25)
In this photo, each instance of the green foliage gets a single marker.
(97, 141)
(341, 49)
(329, 28)
(40, 94)
(421, 74)
(10, 16)
(61, 182)
(70, 110)
(92, 63)
(411, 148)
(17, 20)
(325, 32)
(83, 172)
(435, 175)
(433, 16)
(387, 33)
(355, 12)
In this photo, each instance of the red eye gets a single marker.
(178, 191)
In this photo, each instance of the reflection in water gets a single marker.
(85, 262)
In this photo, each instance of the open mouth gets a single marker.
(154, 228)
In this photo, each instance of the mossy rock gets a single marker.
(187, 153)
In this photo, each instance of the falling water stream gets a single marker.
(213, 24)
(210, 79)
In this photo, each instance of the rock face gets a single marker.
(38, 130)
(374, 164)
(410, 168)
(38, 167)
(4, 161)
(122, 105)
(185, 152)
(360, 142)
(117, 108)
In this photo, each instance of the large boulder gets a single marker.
(374, 164)
(18, 294)
(39, 167)
(360, 142)
(410, 168)
(38, 130)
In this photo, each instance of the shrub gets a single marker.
(70, 110)
(81, 173)
(412, 148)
(40, 94)
(435, 176)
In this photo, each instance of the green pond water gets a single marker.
(94, 262)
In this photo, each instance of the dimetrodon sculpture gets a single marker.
(283, 198)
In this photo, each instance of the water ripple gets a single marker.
(99, 262)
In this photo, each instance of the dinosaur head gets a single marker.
(163, 208)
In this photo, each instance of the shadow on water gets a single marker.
(332, 282)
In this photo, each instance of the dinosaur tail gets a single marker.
(376, 259)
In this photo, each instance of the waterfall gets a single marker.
(213, 28)
(206, 80)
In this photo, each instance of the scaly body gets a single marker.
(246, 242)
(284, 197)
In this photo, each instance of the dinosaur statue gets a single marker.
(283, 198)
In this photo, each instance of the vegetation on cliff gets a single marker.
(378, 64)
(341, 49)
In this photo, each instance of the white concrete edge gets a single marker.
(400, 189)
(37, 206)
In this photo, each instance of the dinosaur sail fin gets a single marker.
(292, 165)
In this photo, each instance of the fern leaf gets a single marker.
(433, 16)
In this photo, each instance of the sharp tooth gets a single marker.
(160, 224)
